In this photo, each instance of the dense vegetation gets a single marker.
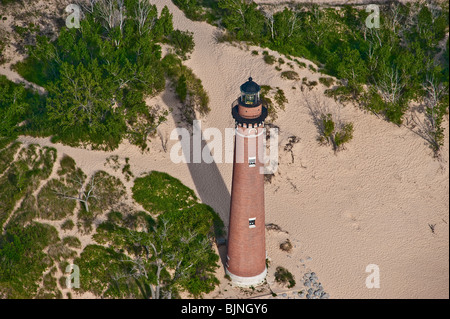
(383, 69)
(16, 104)
(156, 253)
(22, 176)
(96, 77)
(22, 260)
(154, 257)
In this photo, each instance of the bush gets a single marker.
(280, 98)
(286, 245)
(300, 64)
(189, 88)
(159, 192)
(290, 75)
(181, 88)
(283, 276)
(183, 42)
(269, 59)
(22, 260)
(68, 224)
(72, 241)
(33, 164)
(51, 205)
(98, 265)
(7, 155)
(393, 112)
(336, 134)
(326, 81)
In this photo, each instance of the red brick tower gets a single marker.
(246, 256)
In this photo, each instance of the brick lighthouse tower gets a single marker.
(246, 256)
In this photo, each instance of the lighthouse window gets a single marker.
(251, 223)
(252, 161)
(249, 98)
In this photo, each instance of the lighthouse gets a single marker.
(246, 254)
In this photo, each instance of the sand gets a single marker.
(371, 203)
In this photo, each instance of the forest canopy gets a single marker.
(96, 77)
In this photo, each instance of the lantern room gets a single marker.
(250, 93)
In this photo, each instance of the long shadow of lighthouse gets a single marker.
(207, 178)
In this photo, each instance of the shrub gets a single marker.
(7, 155)
(286, 245)
(183, 42)
(109, 191)
(334, 133)
(312, 68)
(344, 135)
(393, 112)
(22, 260)
(181, 88)
(98, 265)
(51, 205)
(72, 241)
(326, 81)
(283, 276)
(159, 192)
(33, 164)
(300, 64)
(269, 59)
(196, 97)
(280, 98)
(290, 75)
(68, 224)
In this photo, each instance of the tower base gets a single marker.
(247, 282)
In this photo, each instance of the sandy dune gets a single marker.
(372, 203)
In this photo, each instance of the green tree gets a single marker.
(82, 97)
(13, 106)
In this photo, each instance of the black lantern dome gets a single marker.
(250, 92)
